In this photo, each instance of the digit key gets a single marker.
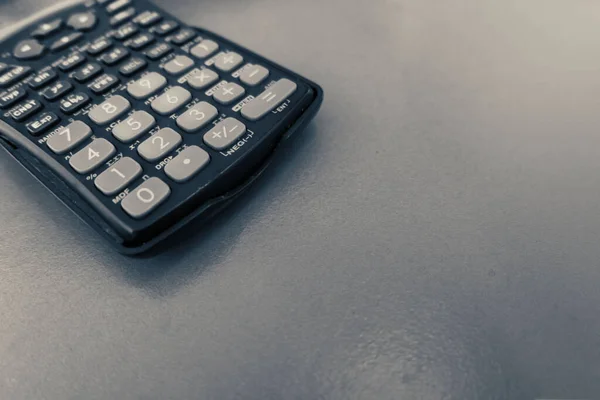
(146, 86)
(92, 156)
(134, 126)
(70, 137)
(197, 116)
(109, 110)
(187, 164)
(171, 100)
(146, 198)
(119, 175)
(159, 145)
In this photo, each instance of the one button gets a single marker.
(182, 37)
(104, 83)
(165, 28)
(71, 61)
(228, 61)
(56, 90)
(224, 134)
(187, 164)
(14, 75)
(82, 21)
(140, 41)
(9, 98)
(117, 6)
(133, 66)
(228, 93)
(134, 126)
(205, 48)
(122, 17)
(74, 102)
(87, 72)
(197, 117)
(202, 78)
(109, 110)
(252, 75)
(146, 198)
(42, 79)
(179, 65)
(159, 145)
(66, 41)
(268, 100)
(147, 18)
(158, 51)
(92, 156)
(25, 110)
(115, 56)
(28, 49)
(69, 137)
(42, 123)
(99, 46)
(126, 31)
(147, 85)
(47, 28)
(117, 176)
(171, 100)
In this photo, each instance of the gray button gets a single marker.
(179, 65)
(197, 116)
(252, 75)
(187, 164)
(224, 134)
(228, 61)
(204, 49)
(109, 110)
(147, 85)
(171, 100)
(268, 100)
(92, 156)
(134, 126)
(228, 93)
(68, 138)
(159, 144)
(115, 178)
(201, 78)
(145, 198)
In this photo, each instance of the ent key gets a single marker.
(269, 100)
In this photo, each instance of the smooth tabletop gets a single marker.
(433, 234)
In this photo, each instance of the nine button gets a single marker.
(147, 85)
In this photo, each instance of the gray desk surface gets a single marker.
(432, 235)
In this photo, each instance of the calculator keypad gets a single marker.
(92, 156)
(118, 176)
(159, 145)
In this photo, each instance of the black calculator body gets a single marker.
(138, 122)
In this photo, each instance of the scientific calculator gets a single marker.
(138, 122)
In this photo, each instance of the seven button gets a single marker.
(68, 138)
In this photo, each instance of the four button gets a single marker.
(92, 156)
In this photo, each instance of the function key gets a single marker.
(197, 117)
(146, 86)
(202, 78)
(122, 17)
(42, 79)
(187, 164)
(9, 98)
(268, 100)
(28, 49)
(47, 28)
(66, 41)
(158, 51)
(165, 28)
(82, 21)
(146, 198)
(224, 134)
(115, 56)
(159, 145)
(13, 75)
(103, 84)
(24, 110)
(132, 66)
(118, 175)
(92, 156)
(109, 110)
(42, 122)
(147, 18)
(71, 61)
(205, 48)
(182, 37)
(171, 100)
(74, 102)
(99, 46)
(137, 124)
(228, 93)
(117, 6)
(56, 90)
(69, 137)
(252, 75)
(87, 72)
(179, 65)
(140, 41)
(126, 31)
(226, 61)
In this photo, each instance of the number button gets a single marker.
(91, 156)
(171, 100)
(224, 134)
(187, 164)
(68, 138)
(145, 198)
(146, 86)
(197, 116)
(110, 110)
(119, 175)
(159, 145)
(134, 126)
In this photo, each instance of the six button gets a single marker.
(171, 100)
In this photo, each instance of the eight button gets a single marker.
(109, 110)
(92, 156)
